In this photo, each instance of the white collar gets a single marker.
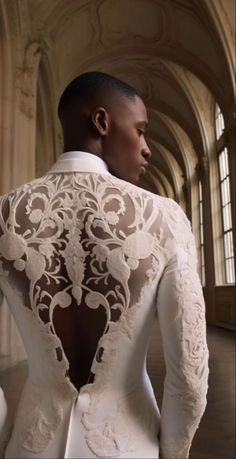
(79, 161)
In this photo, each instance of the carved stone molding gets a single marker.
(132, 20)
(26, 78)
(202, 167)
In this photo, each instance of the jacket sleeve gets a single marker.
(3, 409)
(3, 403)
(3, 421)
(181, 313)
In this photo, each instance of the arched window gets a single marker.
(225, 199)
(202, 259)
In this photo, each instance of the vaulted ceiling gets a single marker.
(177, 53)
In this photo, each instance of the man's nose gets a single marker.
(146, 152)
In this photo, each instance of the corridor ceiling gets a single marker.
(177, 53)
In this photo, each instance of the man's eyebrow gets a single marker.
(143, 122)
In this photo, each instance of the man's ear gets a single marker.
(100, 121)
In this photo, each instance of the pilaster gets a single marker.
(202, 170)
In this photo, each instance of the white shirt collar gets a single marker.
(79, 161)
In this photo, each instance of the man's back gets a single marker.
(86, 259)
(80, 249)
(82, 256)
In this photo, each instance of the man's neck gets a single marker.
(88, 147)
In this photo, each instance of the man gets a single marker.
(87, 258)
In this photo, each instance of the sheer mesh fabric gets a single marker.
(85, 261)
(78, 251)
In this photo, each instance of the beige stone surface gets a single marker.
(178, 54)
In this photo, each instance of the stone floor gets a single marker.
(215, 438)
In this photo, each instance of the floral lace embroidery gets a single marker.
(82, 241)
(193, 331)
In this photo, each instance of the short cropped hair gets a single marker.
(87, 85)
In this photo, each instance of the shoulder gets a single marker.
(25, 188)
(168, 205)
(177, 213)
(17, 202)
(137, 191)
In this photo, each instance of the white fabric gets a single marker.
(3, 412)
(79, 161)
(81, 247)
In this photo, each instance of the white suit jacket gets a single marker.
(79, 239)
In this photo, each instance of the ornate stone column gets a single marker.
(26, 76)
(186, 189)
(18, 124)
(202, 170)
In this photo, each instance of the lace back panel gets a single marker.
(79, 251)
